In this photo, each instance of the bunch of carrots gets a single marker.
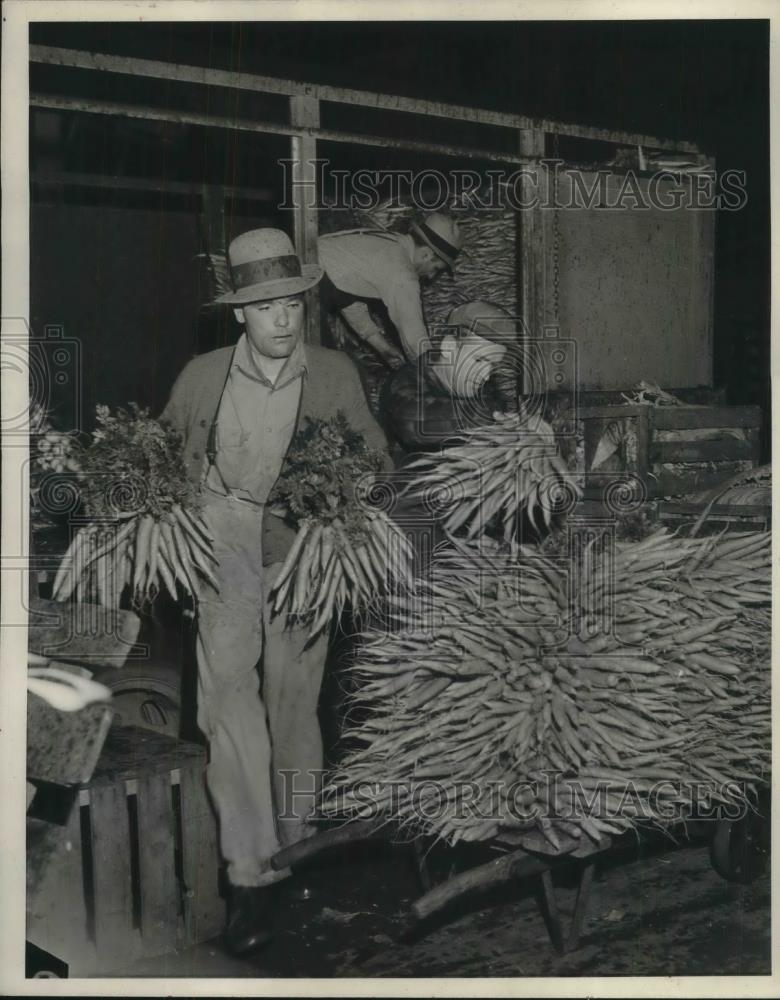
(145, 531)
(348, 551)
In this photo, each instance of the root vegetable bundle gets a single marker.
(493, 473)
(146, 532)
(326, 569)
(551, 716)
(346, 550)
(142, 552)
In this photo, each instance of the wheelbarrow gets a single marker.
(738, 853)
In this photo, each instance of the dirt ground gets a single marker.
(653, 910)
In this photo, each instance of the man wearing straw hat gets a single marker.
(238, 409)
(364, 267)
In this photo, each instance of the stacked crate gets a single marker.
(669, 457)
(675, 451)
(134, 871)
(697, 448)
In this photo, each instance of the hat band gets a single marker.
(257, 272)
(447, 250)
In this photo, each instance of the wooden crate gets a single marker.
(674, 451)
(134, 872)
(734, 517)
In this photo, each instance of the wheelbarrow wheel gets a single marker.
(145, 695)
(738, 850)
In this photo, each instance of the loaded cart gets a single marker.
(650, 710)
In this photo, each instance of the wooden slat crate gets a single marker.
(734, 517)
(697, 448)
(134, 873)
(674, 451)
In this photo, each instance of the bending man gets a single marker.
(365, 267)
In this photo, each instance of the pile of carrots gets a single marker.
(552, 701)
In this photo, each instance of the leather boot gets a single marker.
(250, 918)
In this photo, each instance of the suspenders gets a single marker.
(211, 441)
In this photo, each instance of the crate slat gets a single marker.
(718, 510)
(674, 418)
(727, 449)
(204, 910)
(691, 480)
(128, 750)
(159, 888)
(113, 890)
(56, 909)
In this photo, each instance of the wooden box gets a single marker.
(134, 871)
(675, 451)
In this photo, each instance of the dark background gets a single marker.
(705, 81)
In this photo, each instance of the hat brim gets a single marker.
(449, 262)
(311, 274)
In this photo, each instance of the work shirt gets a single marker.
(255, 424)
(376, 265)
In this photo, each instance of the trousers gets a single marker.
(258, 689)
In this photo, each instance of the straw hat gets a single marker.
(263, 265)
(442, 235)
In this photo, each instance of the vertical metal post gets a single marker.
(529, 250)
(213, 226)
(305, 112)
(644, 438)
(530, 142)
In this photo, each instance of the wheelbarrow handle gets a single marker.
(518, 864)
(310, 846)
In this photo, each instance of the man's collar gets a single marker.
(245, 360)
(405, 240)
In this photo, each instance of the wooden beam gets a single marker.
(142, 184)
(643, 439)
(305, 113)
(615, 411)
(75, 58)
(268, 128)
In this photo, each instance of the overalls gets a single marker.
(258, 689)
